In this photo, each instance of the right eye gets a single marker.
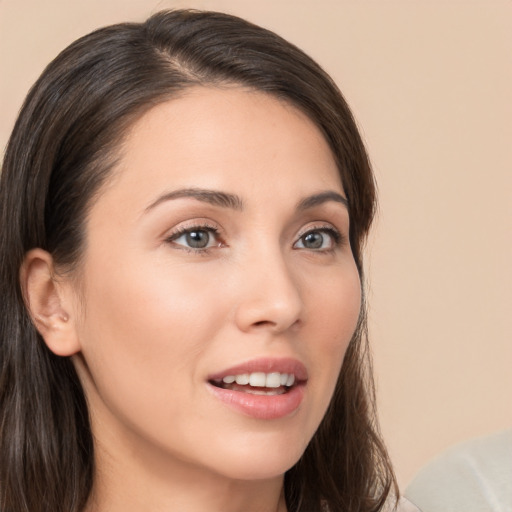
(196, 238)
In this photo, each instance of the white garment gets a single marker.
(475, 476)
(405, 506)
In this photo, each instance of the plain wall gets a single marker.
(430, 84)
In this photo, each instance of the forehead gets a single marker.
(228, 138)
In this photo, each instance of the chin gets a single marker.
(260, 461)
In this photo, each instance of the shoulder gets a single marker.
(403, 505)
(473, 476)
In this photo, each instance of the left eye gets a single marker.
(196, 238)
(318, 239)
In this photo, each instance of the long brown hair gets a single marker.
(59, 155)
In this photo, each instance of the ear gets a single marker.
(49, 302)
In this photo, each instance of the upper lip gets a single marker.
(265, 365)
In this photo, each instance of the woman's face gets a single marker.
(218, 252)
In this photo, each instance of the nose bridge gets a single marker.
(270, 295)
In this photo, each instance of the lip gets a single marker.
(264, 407)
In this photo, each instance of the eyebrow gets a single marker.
(212, 197)
(234, 202)
(321, 198)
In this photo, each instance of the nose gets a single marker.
(269, 295)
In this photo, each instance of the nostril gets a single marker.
(273, 325)
(262, 323)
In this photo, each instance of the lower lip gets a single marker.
(263, 407)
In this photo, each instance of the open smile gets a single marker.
(258, 383)
(257, 389)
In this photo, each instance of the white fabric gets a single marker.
(403, 505)
(406, 506)
(475, 476)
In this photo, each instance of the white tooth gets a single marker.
(229, 379)
(273, 380)
(242, 379)
(257, 379)
(284, 378)
(291, 380)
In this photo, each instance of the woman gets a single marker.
(183, 208)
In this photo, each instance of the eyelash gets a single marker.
(338, 238)
(191, 229)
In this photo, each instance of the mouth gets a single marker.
(263, 389)
(258, 383)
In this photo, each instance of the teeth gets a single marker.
(242, 379)
(257, 379)
(273, 380)
(261, 380)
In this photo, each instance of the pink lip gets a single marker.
(266, 407)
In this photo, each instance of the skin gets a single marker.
(152, 318)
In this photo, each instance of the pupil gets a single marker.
(198, 239)
(313, 240)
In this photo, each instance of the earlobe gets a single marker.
(48, 302)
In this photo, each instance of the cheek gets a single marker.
(145, 331)
(156, 303)
(332, 319)
(334, 308)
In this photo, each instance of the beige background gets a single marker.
(430, 83)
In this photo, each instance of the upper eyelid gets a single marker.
(183, 227)
(180, 232)
(319, 226)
